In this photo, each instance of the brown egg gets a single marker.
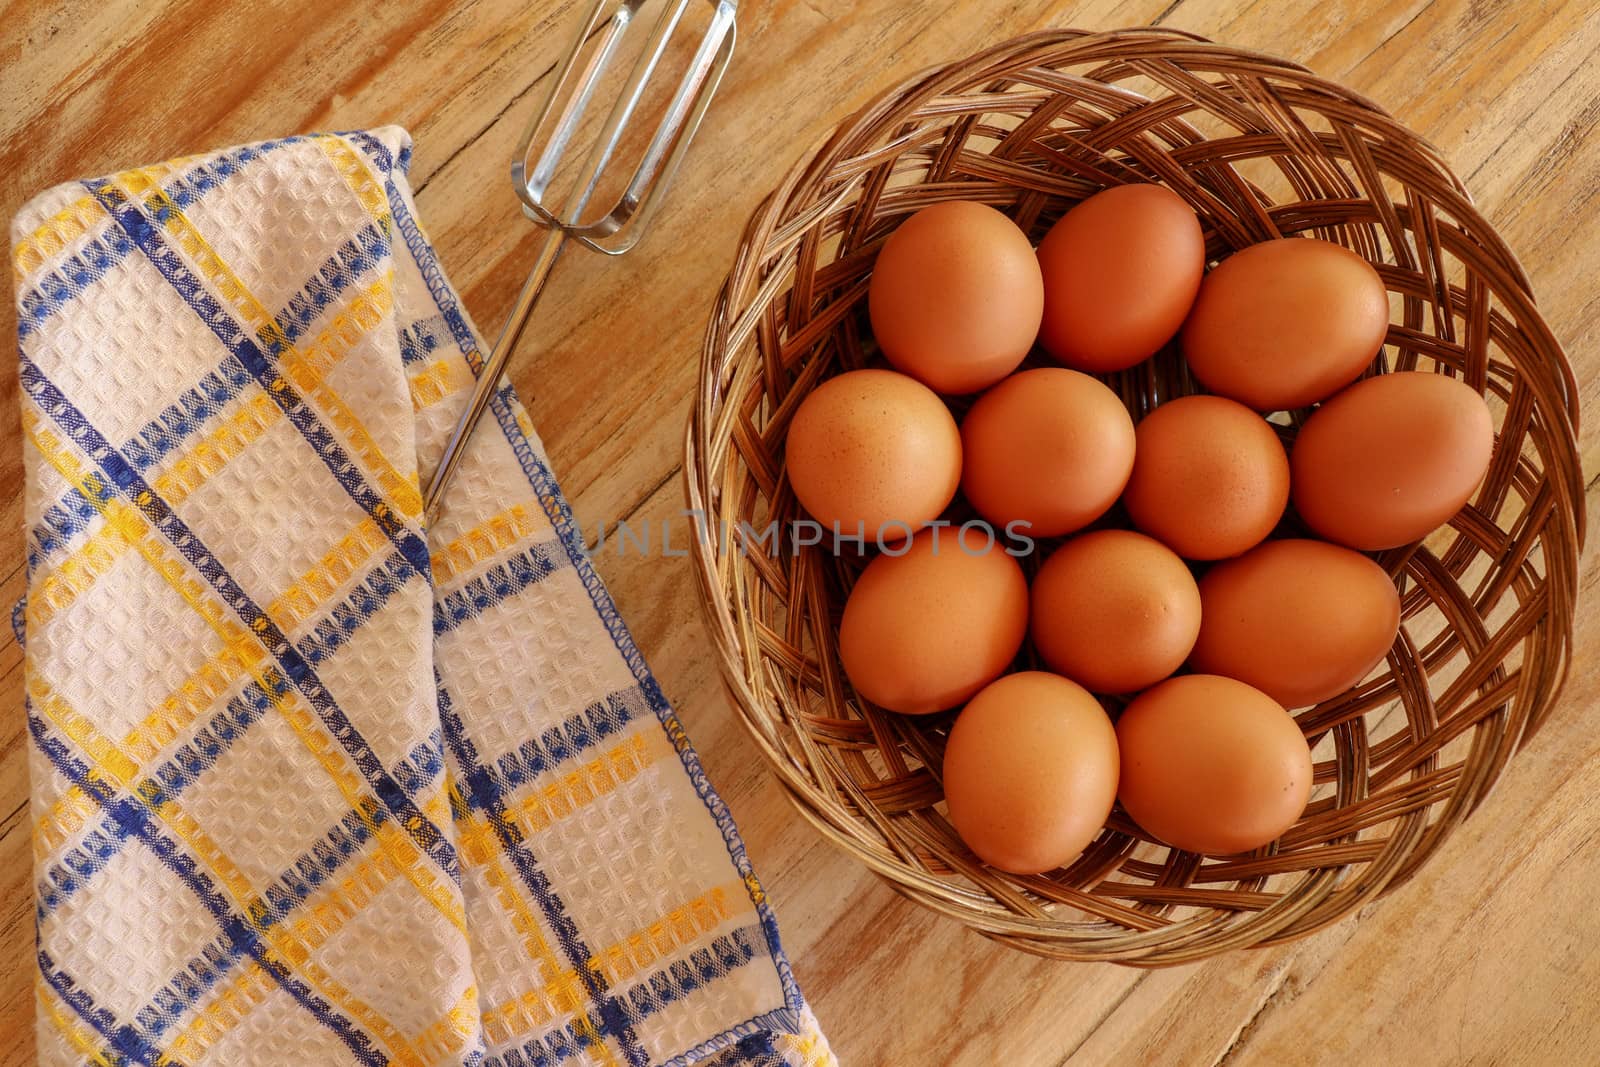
(1114, 610)
(1030, 772)
(926, 629)
(955, 296)
(1391, 459)
(1120, 272)
(1211, 765)
(1286, 323)
(1210, 478)
(1302, 621)
(1049, 447)
(873, 452)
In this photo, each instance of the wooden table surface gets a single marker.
(1491, 955)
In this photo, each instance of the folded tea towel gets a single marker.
(315, 782)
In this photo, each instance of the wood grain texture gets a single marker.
(1490, 955)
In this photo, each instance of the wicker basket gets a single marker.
(1260, 148)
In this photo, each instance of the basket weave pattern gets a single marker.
(1261, 149)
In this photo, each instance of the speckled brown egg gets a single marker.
(1121, 270)
(1114, 610)
(956, 296)
(1212, 765)
(1300, 620)
(932, 621)
(1050, 447)
(1030, 772)
(871, 452)
(1286, 323)
(1210, 477)
(1392, 458)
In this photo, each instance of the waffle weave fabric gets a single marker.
(315, 781)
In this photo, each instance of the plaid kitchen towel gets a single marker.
(315, 782)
